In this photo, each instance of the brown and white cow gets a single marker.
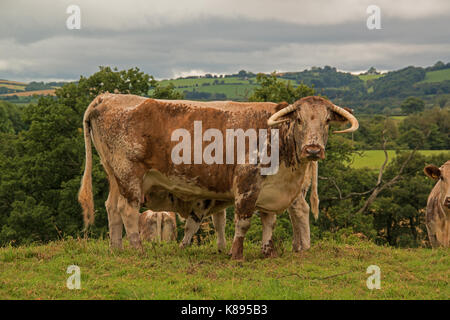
(132, 135)
(438, 206)
(158, 226)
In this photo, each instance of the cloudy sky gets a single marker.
(168, 38)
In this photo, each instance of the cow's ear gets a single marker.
(281, 105)
(432, 171)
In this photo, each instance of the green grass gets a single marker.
(398, 118)
(437, 76)
(327, 271)
(373, 159)
(366, 77)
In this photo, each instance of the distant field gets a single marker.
(14, 85)
(373, 159)
(12, 82)
(366, 77)
(31, 93)
(398, 118)
(437, 76)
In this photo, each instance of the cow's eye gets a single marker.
(299, 121)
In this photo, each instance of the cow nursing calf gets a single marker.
(133, 136)
(298, 213)
(438, 206)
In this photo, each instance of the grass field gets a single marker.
(50, 92)
(327, 271)
(373, 159)
(366, 77)
(437, 76)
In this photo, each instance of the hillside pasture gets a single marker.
(437, 76)
(373, 159)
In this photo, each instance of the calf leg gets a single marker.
(190, 228)
(299, 214)
(268, 223)
(219, 221)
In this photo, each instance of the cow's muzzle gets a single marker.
(313, 152)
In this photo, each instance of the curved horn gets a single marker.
(273, 120)
(351, 118)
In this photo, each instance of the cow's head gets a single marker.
(312, 117)
(442, 175)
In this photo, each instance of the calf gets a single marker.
(438, 206)
(157, 226)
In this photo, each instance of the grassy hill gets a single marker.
(329, 270)
(437, 76)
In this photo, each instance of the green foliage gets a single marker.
(412, 105)
(41, 165)
(272, 89)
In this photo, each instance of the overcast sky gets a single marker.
(176, 38)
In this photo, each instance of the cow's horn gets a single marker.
(273, 120)
(351, 118)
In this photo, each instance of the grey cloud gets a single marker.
(45, 49)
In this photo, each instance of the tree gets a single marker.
(41, 166)
(413, 105)
(275, 90)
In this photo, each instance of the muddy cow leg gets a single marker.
(219, 221)
(268, 223)
(241, 227)
(130, 217)
(190, 228)
(299, 214)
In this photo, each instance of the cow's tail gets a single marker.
(314, 195)
(85, 197)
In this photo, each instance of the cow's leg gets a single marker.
(268, 223)
(190, 228)
(241, 227)
(130, 217)
(246, 193)
(219, 221)
(299, 214)
(114, 221)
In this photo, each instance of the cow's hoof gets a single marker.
(116, 245)
(237, 250)
(135, 241)
(268, 250)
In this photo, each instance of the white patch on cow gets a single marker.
(272, 198)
